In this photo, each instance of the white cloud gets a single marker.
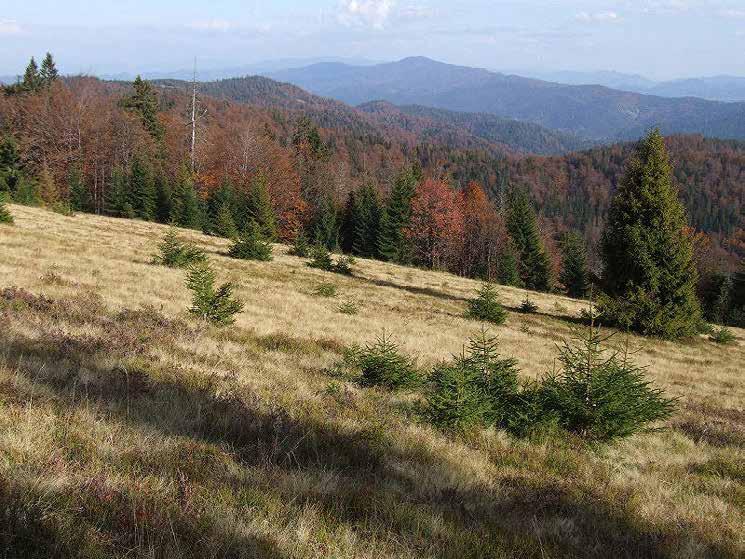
(734, 13)
(9, 27)
(597, 17)
(370, 13)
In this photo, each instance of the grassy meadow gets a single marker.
(129, 429)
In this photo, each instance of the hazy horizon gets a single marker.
(658, 39)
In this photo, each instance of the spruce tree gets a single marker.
(574, 273)
(522, 224)
(509, 273)
(224, 225)
(393, 243)
(325, 225)
(219, 201)
(259, 208)
(143, 194)
(486, 306)
(80, 197)
(117, 200)
(649, 272)
(163, 198)
(10, 165)
(144, 101)
(31, 79)
(48, 187)
(251, 244)
(737, 298)
(215, 305)
(49, 73)
(366, 222)
(186, 210)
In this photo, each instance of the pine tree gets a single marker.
(509, 273)
(737, 298)
(522, 224)
(144, 101)
(325, 225)
(224, 223)
(186, 210)
(574, 272)
(175, 253)
(599, 394)
(259, 208)
(80, 197)
(163, 198)
(10, 165)
(301, 247)
(649, 272)
(393, 243)
(367, 223)
(143, 194)
(27, 192)
(486, 306)
(49, 73)
(31, 79)
(221, 200)
(217, 306)
(117, 202)
(251, 244)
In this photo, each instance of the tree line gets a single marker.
(84, 147)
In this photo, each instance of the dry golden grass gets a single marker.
(127, 428)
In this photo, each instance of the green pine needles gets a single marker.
(382, 364)
(320, 258)
(486, 306)
(214, 305)
(600, 394)
(176, 253)
(301, 246)
(476, 388)
(649, 273)
(251, 245)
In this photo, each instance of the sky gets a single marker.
(660, 39)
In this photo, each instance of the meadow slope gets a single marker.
(129, 429)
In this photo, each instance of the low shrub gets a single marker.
(251, 245)
(349, 307)
(479, 387)
(722, 336)
(321, 259)
(325, 290)
(5, 215)
(486, 306)
(301, 246)
(528, 306)
(382, 364)
(601, 394)
(176, 253)
(212, 305)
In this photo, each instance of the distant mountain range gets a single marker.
(714, 88)
(592, 112)
(489, 133)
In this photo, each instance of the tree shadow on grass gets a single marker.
(371, 484)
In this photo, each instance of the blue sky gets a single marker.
(661, 39)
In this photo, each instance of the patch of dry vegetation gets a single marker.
(129, 428)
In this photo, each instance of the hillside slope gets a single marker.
(595, 112)
(127, 428)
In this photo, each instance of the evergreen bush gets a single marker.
(599, 394)
(528, 306)
(382, 364)
(486, 306)
(320, 258)
(722, 336)
(325, 290)
(175, 253)
(349, 307)
(251, 245)
(301, 246)
(212, 305)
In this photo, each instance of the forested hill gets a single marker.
(495, 135)
(594, 112)
(524, 137)
(576, 188)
